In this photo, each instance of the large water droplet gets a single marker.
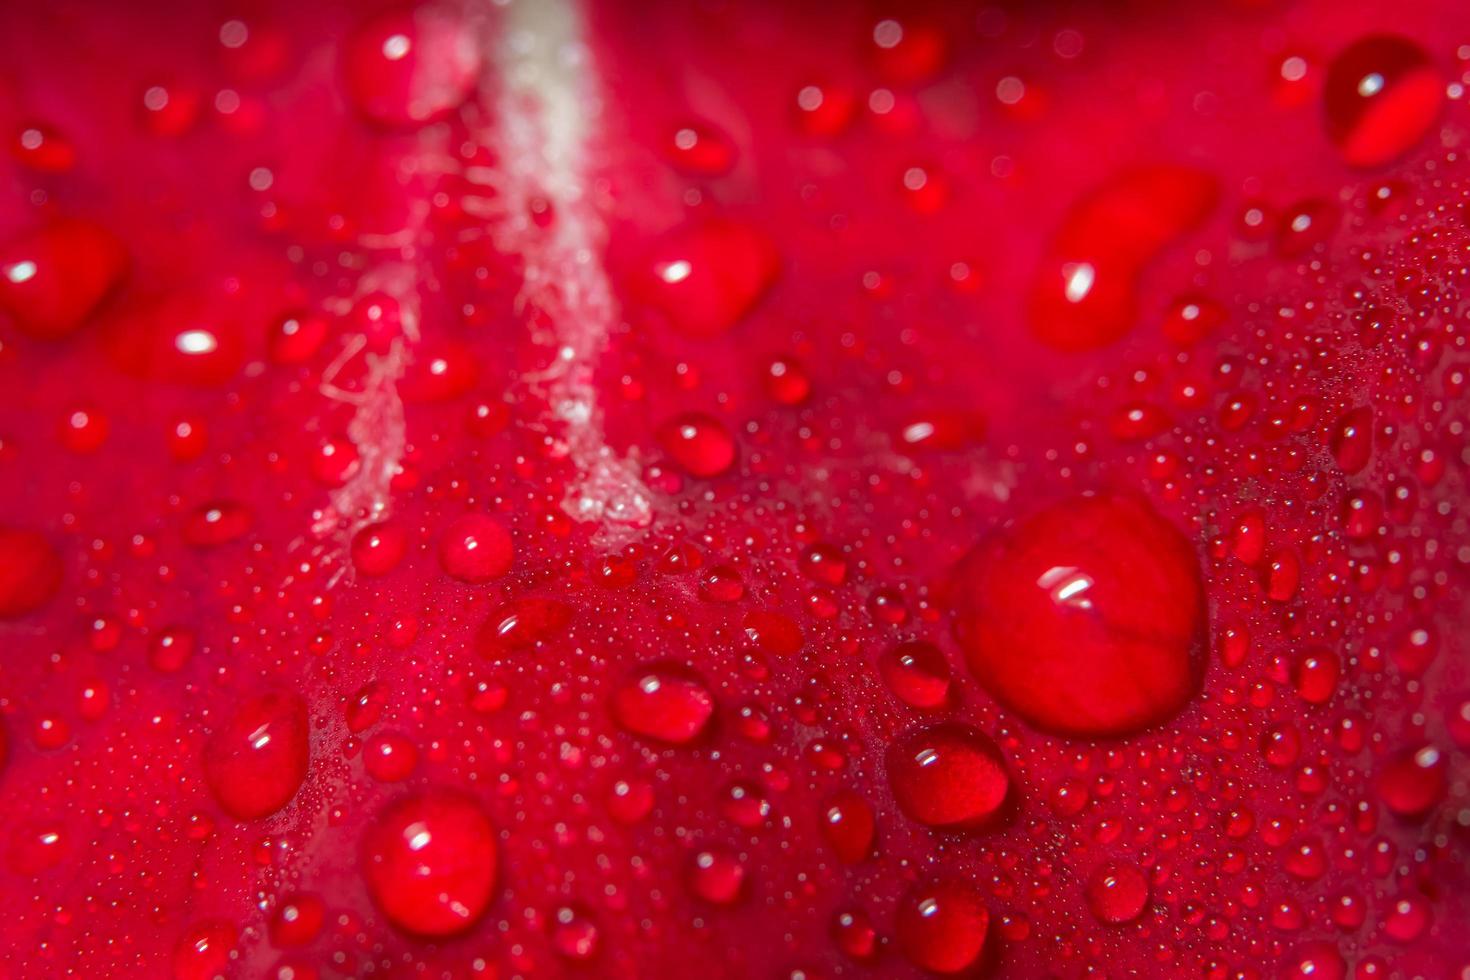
(408, 67)
(1116, 893)
(1382, 95)
(949, 776)
(917, 673)
(255, 764)
(1087, 618)
(942, 927)
(699, 443)
(705, 277)
(1414, 781)
(848, 824)
(665, 701)
(430, 862)
(204, 951)
(1084, 295)
(52, 279)
(476, 548)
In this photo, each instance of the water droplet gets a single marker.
(257, 761)
(1382, 95)
(52, 280)
(721, 583)
(1352, 440)
(786, 382)
(854, 935)
(297, 920)
(1117, 893)
(430, 862)
(1317, 672)
(1084, 295)
(390, 757)
(1281, 745)
(917, 673)
(773, 632)
(217, 523)
(943, 927)
(43, 149)
(520, 624)
(948, 776)
(378, 549)
(699, 443)
(744, 804)
(716, 876)
(700, 149)
(204, 951)
(295, 337)
(409, 67)
(1414, 781)
(705, 277)
(848, 823)
(666, 702)
(1086, 618)
(335, 462)
(171, 649)
(476, 548)
(575, 935)
(1315, 961)
(908, 52)
(1305, 858)
(36, 846)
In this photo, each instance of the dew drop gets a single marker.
(699, 443)
(476, 548)
(205, 950)
(716, 876)
(849, 825)
(53, 279)
(1117, 893)
(949, 776)
(1315, 961)
(665, 702)
(390, 757)
(854, 935)
(575, 935)
(943, 927)
(1317, 672)
(430, 862)
(378, 549)
(773, 632)
(257, 761)
(217, 523)
(699, 149)
(520, 624)
(1382, 95)
(1084, 295)
(405, 68)
(297, 920)
(704, 278)
(917, 673)
(1414, 781)
(1352, 440)
(1086, 618)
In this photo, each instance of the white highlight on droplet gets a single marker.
(196, 342)
(1080, 277)
(19, 272)
(396, 47)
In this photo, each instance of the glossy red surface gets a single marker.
(546, 489)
